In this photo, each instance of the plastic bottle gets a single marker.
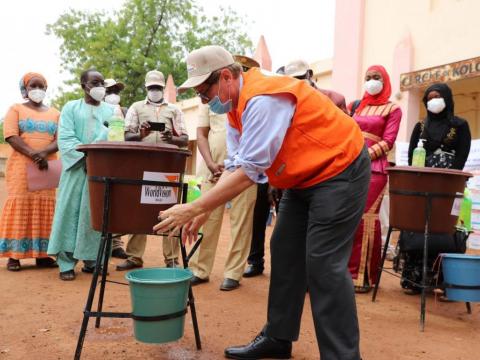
(419, 155)
(465, 217)
(194, 191)
(116, 129)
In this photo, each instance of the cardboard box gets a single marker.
(473, 242)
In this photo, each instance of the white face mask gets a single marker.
(155, 95)
(436, 105)
(113, 99)
(97, 93)
(36, 95)
(373, 87)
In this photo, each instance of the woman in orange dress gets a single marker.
(26, 219)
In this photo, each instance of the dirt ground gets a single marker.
(40, 318)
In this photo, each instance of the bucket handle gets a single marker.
(160, 317)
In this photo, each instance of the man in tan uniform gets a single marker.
(153, 109)
(211, 138)
(300, 69)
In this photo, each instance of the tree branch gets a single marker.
(155, 29)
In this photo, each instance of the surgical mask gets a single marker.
(436, 105)
(113, 99)
(36, 95)
(155, 95)
(373, 87)
(97, 93)
(217, 106)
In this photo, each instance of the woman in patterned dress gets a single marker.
(26, 219)
(379, 120)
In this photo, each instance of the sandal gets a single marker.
(412, 291)
(362, 289)
(67, 275)
(46, 262)
(13, 265)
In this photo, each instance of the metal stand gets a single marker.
(101, 266)
(423, 285)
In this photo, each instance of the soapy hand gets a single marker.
(172, 220)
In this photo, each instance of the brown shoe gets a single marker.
(119, 253)
(128, 265)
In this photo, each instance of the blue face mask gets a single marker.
(218, 107)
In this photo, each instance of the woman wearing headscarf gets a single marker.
(379, 120)
(30, 128)
(446, 139)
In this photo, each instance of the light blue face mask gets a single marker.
(217, 106)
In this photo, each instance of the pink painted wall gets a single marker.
(409, 101)
(170, 90)
(262, 55)
(348, 48)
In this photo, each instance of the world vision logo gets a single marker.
(173, 178)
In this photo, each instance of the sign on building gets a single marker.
(454, 71)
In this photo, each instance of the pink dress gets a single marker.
(379, 125)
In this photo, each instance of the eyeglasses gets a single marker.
(212, 80)
(202, 95)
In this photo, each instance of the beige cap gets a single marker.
(246, 61)
(154, 77)
(202, 62)
(296, 68)
(113, 83)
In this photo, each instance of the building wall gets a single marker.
(189, 108)
(441, 32)
(405, 36)
(322, 73)
(437, 27)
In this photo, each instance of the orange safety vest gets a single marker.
(321, 141)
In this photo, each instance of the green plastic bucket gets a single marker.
(158, 292)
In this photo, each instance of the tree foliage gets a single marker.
(143, 35)
(2, 140)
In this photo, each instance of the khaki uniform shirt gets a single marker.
(144, 110)
(217, 138)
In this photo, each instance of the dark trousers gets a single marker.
(260, 217)
(311, 246)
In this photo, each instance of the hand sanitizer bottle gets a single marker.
(419, 155)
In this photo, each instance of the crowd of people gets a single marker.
(266, 140)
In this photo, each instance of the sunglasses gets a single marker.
(303, 77)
